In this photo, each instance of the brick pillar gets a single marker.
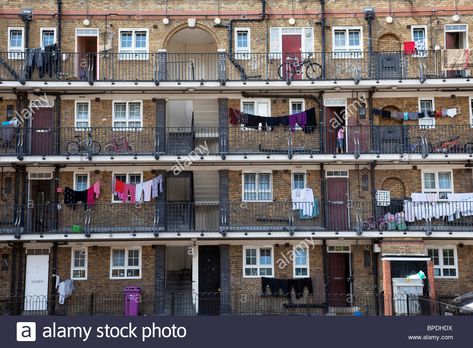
(225, 299)
(431, 282)
(160, 279)
(387, 288)
(161, 125)
(223, 125)
(162, 65)
(222, 69)
(223, 195)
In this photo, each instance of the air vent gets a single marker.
(40, 176)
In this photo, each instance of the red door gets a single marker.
(42, 132)
(291, 48)
(337, 204)
(338, 279)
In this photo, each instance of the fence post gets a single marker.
(407, 305)
(162, 65)
(92, 304)
(222, 69)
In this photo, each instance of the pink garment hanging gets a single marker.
(130, 189)
(97, 189)
(90, 196)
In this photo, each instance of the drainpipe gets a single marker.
(59, 32)
(27, 16)
(322, 27)
(229, 27)
(369, 16)
(325, 268)
(374, 260)
(52, 309)
(19, 289)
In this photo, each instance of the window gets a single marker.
(257, 187)
(133, 44)
(426, 106)
(16, 43)
(471, 112)
(296, 106)
(48, 37)
(437, 182)
(301, 262)
(79, 264)
(445, 262)
(127, 114)
(125, 263)
(242, 43)
(133, 178)
(298, 181)
(419, 36)
(82, 115)
(81, 182)
(338, 248)
(259, 107)
(258, 262)
(347, 39)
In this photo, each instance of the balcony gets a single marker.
(221, 67)
(243, 217)
(110, 142)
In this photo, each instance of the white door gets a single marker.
(36, 282)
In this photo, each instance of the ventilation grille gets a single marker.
(40, 176)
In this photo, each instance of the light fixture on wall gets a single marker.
(389, 19)
(455, 18)
(166, 21)
(217, 21)
(86, 22)
(292, 21)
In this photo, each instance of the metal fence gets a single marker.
(221, 66)
(234, 303)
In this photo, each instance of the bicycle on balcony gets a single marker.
(83, 146)
(375, 225)
(119, 145)
(293, 66)
(420, 146)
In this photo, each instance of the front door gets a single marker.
(42, 132)
(334, 119)
(36, 282)
(338, 279)
(337, 204)
(209, 280)
(87, 61)
(456, 40)
(41, 209)
(291, 48)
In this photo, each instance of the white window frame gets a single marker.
(291, 111)
(456, 28)
(300, 173)
(81, 173)
(306, 266)
(436, 173)
(339, 248)
(471, 111)
(258, 265)
(41, 30)
(345, 52)
(429, 126)
(255, 103)
(16, 52)
(88, 114)
(441, 266)
(126, 267)
(242, 53)
(414, 27)
(270, 173)
(73, 268)
(133, 53)
(127, 120)
(127, 182)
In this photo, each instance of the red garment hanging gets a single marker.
(409, 47)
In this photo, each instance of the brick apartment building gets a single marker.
(130, 91)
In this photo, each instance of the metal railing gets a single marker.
(236, 303)
(221, 66)
(268, 216)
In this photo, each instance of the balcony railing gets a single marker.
(201, 141)
(226, 218)
(221, 66)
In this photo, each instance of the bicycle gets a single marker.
(372, 225)
(88, 146)
(122, 146)
(448, 146)
(416, 147)
(293, 66)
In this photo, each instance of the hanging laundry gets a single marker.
(97, 189)
(234, 116)
(158, 186)
(129, 193)
(147, 187)
(73, 197)
(451, 112)
(299, 119)
(90, 195)
(119, 186)
(409, 47)
(139, 192)
(303, 200)
(311, 121)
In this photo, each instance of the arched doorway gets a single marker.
(192, 55)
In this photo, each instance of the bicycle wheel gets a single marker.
(286, 70)
(384, 226)
(110, 148)
(365, 226)
(468, 148)
(72, 148)
(399, 148)
(313, 71)
(130, 150)
(95, 148)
